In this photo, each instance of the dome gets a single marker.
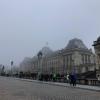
(76, 43)
(98, 39)
(46, 51)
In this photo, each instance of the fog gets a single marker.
(27, 25)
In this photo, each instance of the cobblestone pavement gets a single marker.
(13, 89)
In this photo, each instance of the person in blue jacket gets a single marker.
(72, 79)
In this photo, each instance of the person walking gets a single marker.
(54, 77)
(70, 79)
(73, 79)
(67, 77)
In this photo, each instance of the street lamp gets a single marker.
(40, 64)
(12, 67)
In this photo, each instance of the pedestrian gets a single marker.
(54, 77)
(73, 79)
(67, 77)
(70, 79)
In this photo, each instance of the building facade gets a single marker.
(97, 51)
(74, 58)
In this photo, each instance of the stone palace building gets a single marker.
(97, 51)
(75, 57)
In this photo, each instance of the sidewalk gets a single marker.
(86, 87)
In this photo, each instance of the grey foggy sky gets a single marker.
(26, 25)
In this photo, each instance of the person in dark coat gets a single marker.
(72, 78)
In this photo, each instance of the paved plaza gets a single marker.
(16, 89)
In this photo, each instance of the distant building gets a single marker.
(26, 65)
(2, 69)
(75, 57)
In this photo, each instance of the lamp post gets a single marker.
(39, 64)
(12, 67)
